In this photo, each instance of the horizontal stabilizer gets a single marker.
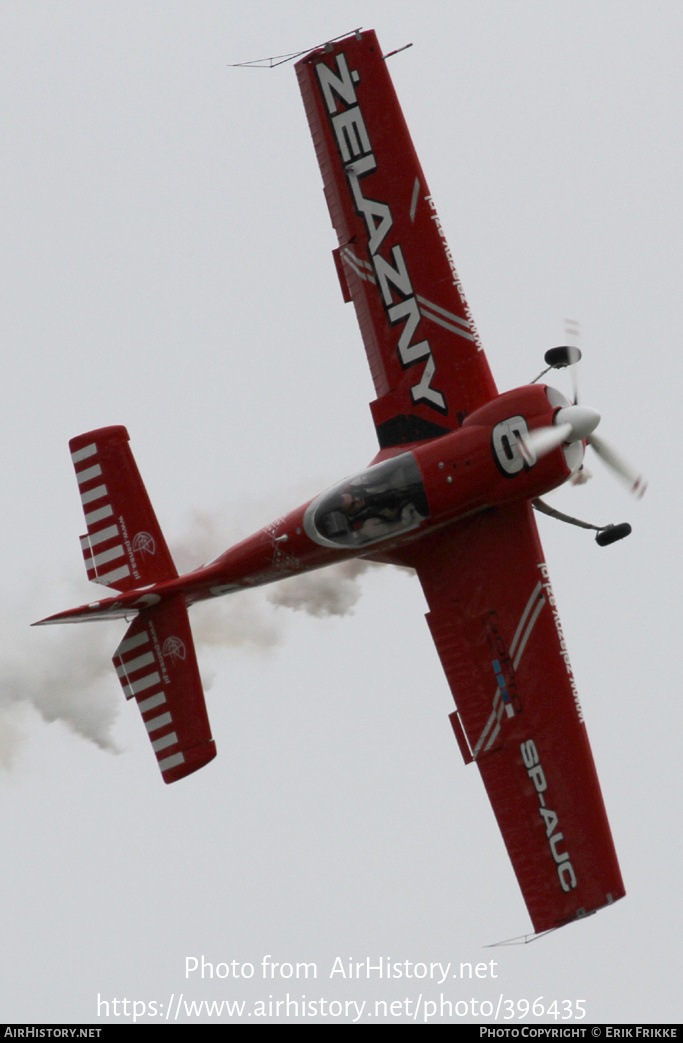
(157, 666)
(124, 547)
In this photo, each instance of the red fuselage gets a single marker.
(406, 492)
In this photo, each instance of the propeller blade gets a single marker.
(574, 369)
(542, 440)
(573, 331)
(616, 463)
(581, 476)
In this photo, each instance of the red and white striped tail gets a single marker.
(157, 666)
(124, 547)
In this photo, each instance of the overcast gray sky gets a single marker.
(166, 265)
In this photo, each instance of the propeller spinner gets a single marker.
(578, 423)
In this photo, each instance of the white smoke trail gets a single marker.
(65, 672)
(12, 733)
(65, 675)
(333, 591)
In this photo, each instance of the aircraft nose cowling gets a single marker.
(582, 419)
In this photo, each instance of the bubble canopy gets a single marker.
(387, 499)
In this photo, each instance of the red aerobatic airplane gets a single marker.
(450, 494)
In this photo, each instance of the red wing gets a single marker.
(495, 625)
(393, 261)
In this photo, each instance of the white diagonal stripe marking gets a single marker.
(172, 762)
(88, 474)
(84, 453)
(523, 631)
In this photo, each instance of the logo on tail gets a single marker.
(143, 543)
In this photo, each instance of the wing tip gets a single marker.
(185, 763)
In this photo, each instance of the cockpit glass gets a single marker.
(385, 500)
